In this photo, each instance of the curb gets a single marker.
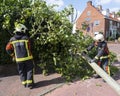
(51, 89)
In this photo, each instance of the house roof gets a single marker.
(113, 18)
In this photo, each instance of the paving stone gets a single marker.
(53, 84)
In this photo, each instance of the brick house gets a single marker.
(96, 19)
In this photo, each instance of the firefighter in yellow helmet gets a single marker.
(102, 56)
(19, 48)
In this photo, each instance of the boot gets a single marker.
(96, 76)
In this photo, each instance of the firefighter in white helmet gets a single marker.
(98, 37)
(95, 33)
(19, 48)
(102, 56)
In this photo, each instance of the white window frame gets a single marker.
(96, 22)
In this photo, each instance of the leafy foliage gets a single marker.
(11, 12)
(54, 48)
(84, 25)
(118, 13)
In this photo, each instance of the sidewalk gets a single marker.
(90, 87)
(11, 85)
(53, 85)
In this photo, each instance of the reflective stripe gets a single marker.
(24, 82)
(109, 67)
(16, 41)
(96, 57)
(104, 57)
(24, 59)
(29, 81)
(26, 46)
(108, 70)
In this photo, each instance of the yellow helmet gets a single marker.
(20, 28)
(99, 38)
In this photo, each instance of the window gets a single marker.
(87, 19)
(97, 22)
(110, 22)
(118, 25)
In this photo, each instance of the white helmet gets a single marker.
(95, 33)
(20, 28)
(99, 37)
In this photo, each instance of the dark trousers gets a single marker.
(25, 69)
(104, 64)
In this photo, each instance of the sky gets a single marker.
(80, 5)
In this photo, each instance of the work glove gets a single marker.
(83, 52)
(93, 60)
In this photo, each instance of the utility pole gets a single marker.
(73, 18)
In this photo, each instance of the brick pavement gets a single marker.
(90, 87)
(115, 48)
(11, 86)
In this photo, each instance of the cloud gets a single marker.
(60, 3)
(114, 9)
(117, 1)
(102, 2)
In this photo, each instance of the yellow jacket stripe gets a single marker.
(26, 46)
(104, 57)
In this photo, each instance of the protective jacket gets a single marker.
(102, 50)
(19, 47)
(102, 57)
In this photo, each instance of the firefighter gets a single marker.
(102, 57)
(18, 48)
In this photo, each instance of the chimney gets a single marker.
(89, 3)
(99, 7)
(107, 12)
(113, 14)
